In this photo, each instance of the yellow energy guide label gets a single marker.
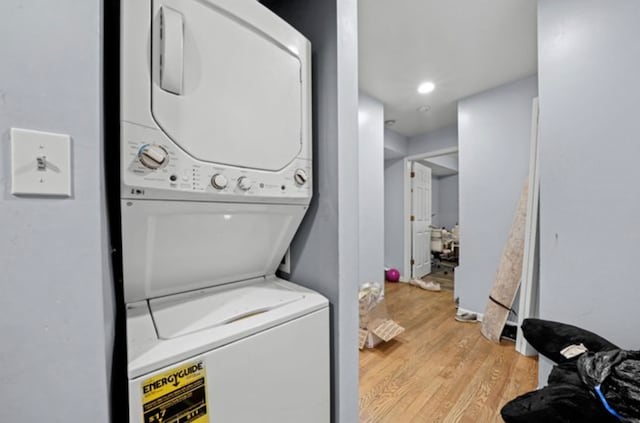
(176, 396)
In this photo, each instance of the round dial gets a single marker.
(153, 156)
(300, 176)
(219, 181)
(244, 183)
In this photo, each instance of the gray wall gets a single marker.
(494, 135)
(440, 139)
(435, 201)
(449, 161)
(324, 253)
(57, 299)
(371, 197)
(393, 211)
(395, 145)
(444, 201)
(447, 201)
(589, 62)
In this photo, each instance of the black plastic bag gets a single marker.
(565, 374)
(567, 399)
(614, 377)
(560, 403)
(549, 338)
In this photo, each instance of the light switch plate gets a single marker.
(40, 163)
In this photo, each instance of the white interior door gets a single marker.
(420, 220)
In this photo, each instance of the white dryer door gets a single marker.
(223, 89)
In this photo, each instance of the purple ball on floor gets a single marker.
(393, 275)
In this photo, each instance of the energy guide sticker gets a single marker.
(176, 396)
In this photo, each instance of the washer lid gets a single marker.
(224, 89)
(169, 247)
(188, 313)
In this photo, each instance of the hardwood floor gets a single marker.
(438, 370)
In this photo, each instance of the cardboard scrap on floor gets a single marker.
(376, 325)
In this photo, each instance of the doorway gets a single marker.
(431, 247)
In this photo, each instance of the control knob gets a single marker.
(300, 176)
(153, 156)
(219, 181)
(244, 183)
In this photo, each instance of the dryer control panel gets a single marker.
(153, 165)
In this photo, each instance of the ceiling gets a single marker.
(462, 46)
(446, 165)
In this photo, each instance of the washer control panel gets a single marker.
(153, 156)
(151, 162)
(219, 181)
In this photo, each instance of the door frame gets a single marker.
(406, 274)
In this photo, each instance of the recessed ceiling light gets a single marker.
(424, 109)
(389, 122)
(426, 87)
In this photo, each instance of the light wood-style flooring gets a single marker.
(438, 370)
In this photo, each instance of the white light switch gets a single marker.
(40, 163)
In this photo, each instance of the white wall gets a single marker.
(448, 206)
(444, 201)
(324, 253)
(393, 212)
(449, 161)
(371, 182)
(494, 136)
(57, 294)
(432, 141)
(589, 62)
(395, 145)
(435, 201)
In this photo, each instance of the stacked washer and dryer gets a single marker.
(216, 177)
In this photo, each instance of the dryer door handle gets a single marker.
(171, 50)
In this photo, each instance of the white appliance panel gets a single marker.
(185, 178)
(278, 375)
(171, 246)
(240, 99)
